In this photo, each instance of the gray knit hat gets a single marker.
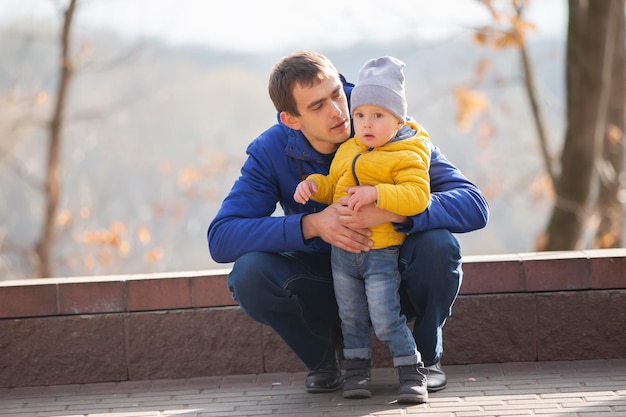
(381, 83)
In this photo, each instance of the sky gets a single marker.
(266, 25)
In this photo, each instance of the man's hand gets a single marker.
(327, 225)
(367, 216)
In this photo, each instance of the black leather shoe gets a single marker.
(436, 378)
(326, 378)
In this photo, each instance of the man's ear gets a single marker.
(290, 120)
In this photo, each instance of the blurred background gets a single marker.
(153, 104)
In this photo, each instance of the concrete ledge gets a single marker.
(518, 307)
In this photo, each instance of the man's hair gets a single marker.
(305, 68)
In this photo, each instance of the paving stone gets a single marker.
(563, 388)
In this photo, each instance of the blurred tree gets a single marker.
(593, 150)
(611, 196)
(509, 31)
(49, 120)
(52, 187)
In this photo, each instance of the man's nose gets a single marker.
(337, 110)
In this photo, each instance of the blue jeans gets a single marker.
(366, 286)
(293, 294)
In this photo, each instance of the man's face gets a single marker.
(324, 117)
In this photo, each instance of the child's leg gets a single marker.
(381, 286)
(352, 303)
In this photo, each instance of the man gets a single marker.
(281, 274)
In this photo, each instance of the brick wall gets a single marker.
(519, 307)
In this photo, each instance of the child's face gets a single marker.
(374, 125)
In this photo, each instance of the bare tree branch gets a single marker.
(53, 185)
(529, 84)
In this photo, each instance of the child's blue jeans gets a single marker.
(366, 287)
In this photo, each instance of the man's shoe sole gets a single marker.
(317, 390)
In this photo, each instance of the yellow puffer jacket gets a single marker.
(398, 170)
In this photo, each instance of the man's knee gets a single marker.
(431, 243)
(430, 261)
(245, 280)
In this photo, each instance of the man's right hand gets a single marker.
(326, 225)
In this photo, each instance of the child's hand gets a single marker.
(304, 191)
(361, 196)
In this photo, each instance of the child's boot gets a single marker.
(356, 380)
(413, 388)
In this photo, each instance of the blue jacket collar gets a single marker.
(298, 147)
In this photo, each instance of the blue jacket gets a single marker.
(279, 159)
